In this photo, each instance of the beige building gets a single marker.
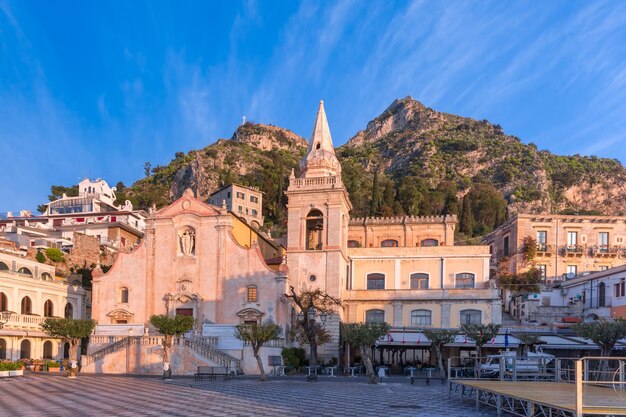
(245, 202)
(566, 245)
(32, 292)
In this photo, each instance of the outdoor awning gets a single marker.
(562, 342)
(409, 340)
(417, 340)
(498, 342)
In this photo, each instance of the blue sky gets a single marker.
(92, 88)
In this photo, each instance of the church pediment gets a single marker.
(250, 314)
(187, 203)
(120, 314)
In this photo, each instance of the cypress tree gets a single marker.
(467, 219)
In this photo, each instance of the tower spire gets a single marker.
(320, 160)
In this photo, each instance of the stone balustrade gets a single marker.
(24, 321)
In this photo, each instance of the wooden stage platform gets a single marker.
(540, 398)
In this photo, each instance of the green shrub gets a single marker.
(55, 255)
(54, 364)
(293, 357)
(11, 366)
(40, 257)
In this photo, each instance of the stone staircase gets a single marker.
(204, 347)
(201, 347)
(106, 350)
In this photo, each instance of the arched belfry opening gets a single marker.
(314, 230)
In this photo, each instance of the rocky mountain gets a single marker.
(409, 160)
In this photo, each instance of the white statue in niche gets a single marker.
(187, 242)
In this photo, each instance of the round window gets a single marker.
(312, 278)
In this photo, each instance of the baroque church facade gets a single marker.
(202, 260)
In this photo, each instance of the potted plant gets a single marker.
(19, 368)
(54, 366)
(11, 369)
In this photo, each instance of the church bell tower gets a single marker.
(318, 215)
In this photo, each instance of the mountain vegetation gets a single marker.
(410, 160)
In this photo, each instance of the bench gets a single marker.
(212, 372)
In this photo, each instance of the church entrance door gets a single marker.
(184, 312)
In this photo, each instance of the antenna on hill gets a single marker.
(243, 120)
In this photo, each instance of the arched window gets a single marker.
(419, 281)
(471, 317)
(252, 294)
(69, 311)
(25, 349)
(375, 281)
(3, 266)
(123, 295)
(389, 243)
(27, 306)
(3, 349)
(464, 280)
(375, 316)
(4, 302)
(354, 244)
(429, 242)
(421, 318)
(48, 309)
(314, 230)
(25, 271)
(601, 294)
(47, 350)
(46, 276)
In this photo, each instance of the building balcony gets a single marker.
(24, 322)
(453, 294)
(606, 251)
(543, 249)
(572, 250)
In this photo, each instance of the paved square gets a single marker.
(98, 395)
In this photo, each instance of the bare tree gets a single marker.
(313, 301)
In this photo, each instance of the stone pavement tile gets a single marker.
(137, 396)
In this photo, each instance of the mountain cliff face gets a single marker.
(409, 160)
(410, 138)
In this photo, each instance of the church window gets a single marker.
(318, 146)
(354, 244)
(375, 281)
(389, 243)
(252, 294)
(314, 230)
(123, 298)
(429, 242)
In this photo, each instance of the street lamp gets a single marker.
(4, 318)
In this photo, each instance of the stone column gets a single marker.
(496, 311)
(397, 313)
(445, 315)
